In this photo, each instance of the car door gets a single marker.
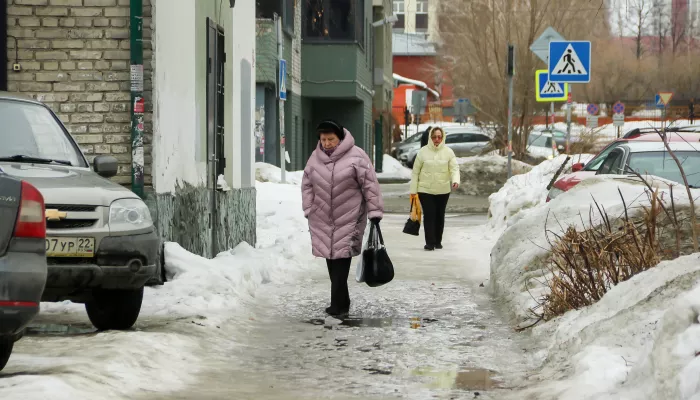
(479, 142)
(456, 141)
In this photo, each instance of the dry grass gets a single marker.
(585, 264)
(590, 141)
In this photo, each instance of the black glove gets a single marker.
(375, 220)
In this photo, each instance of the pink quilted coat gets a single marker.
(339, 193)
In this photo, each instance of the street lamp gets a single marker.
(384, 21)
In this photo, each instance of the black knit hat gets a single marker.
(330, 126)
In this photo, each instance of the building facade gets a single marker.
(199, 91)
(331, 50)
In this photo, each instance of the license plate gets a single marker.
(70, 247)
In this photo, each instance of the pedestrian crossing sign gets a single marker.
(547, 90)
(570, 61)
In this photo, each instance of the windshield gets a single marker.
(539, 141)
(660, 163)
(595, 163)
(414, 138)
(30, 130)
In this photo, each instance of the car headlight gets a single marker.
(129, 214)
(554, 192)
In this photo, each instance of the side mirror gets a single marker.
(577, 167)
(105, 166)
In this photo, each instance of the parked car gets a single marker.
(465, 141)
(581, 171)
(541, 145)
(651, 158)
(101, 245)
(406, 143)
(558, 135)
(22, 259)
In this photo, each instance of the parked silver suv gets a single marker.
(101, 245)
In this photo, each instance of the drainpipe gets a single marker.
(137, 101)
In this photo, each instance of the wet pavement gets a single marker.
(396, 200)
(431, 333)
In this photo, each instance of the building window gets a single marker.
(422, 14)
(283, 8)
(334, 20)
(216, 56)
(399, 9)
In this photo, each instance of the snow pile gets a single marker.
(484, 175)
(393, 170)
(526, 191)
(214, 287)
(640, 341)
(270, 173)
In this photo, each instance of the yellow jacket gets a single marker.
(435, 170)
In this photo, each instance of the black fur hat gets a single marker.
(330, 126)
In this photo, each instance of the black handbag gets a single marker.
(412, 227)
(378, 268)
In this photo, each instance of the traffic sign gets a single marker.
(618, 119)
(283, 80)
(619, 108)
(663, 99)
(570, 61)
(549, 91)
(541, 45)
(592, 109)
(592, 121)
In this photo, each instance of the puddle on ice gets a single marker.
(354, 322)
(466, 379)
(59, 329)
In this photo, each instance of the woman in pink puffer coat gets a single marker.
(340, 191)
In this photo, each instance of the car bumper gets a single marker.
(22, 278)
(120, 262)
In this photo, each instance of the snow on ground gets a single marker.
(393, 169)
(639, 341)
(210, 291)
(270, 173)
(524, 192)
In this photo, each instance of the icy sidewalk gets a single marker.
(180, 325)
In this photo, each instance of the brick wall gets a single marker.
(74, 56)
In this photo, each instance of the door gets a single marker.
(458, 143)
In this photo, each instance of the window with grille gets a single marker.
(283, 8)
(422, 14)
(216, 59)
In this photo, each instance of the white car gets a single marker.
(541, 145)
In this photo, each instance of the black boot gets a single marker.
(429, 247)
(339, 270)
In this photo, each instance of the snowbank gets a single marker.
(270, 173)
(484, 175)
(393, 170)
(526, 191)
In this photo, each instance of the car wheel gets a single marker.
(114, 309)
(160, 277)
(7, 342)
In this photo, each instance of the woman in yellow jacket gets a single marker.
(435, 175)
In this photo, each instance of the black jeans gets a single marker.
(338, 270)
(434, 206)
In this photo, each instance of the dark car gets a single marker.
(101, 244)
(22, 259)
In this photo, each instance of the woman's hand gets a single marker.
(455, 186)
(413, 196)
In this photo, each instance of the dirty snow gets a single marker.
(524, 192)
(209, 291)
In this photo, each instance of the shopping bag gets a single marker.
(359, 269)
(378, 268)
(412, 226)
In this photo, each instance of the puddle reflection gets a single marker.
(466, 379)
(59, 330)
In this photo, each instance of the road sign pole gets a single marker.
(510, 72)
(568, 122)
(551, 112)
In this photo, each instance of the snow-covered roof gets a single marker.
(411, 44)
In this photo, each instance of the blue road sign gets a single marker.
(619, 108)
(570, 61)
(283, 80)
(549, 91)
(592, 109)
